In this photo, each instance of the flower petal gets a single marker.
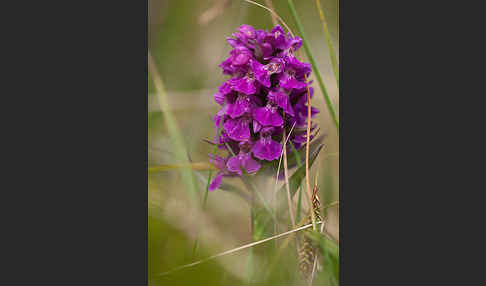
(239, 107)
(261, 73)
(267, 149)
(219, 98)
(234, 165)
(251, 166)
(237, 129)
(268, 116)
(244, 85)
(282, 100)
(216, 182)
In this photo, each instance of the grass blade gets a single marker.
(332, 55)
(236, 249)
(314, 65)
(330, 255)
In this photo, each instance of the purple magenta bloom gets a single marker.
(219, 98)
(268, 116)
(267, 50)
(260, 73)
(266, 148)
(238, 129)
(294, 75)
(248, 31)
(277, 38)
(220, 164)
(219, 115)
(301, 68)
(281, 99)
(236, 62)
(256, 126)
(243, 160)
(216, 182)
(287, 80)
(241, 105)
(263, 72)
(240, 55)
(225, 88)
(245, 85)
(267, 84)
(294, 43)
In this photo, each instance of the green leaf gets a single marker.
(305, 43)
(330, 255)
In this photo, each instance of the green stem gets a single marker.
(314, 65)
(332, 55)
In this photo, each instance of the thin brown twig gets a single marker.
(307, 177)
(286, 173)
(273, 13)
(270, 6)
(213, 12)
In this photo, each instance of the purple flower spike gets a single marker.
(266, 82)
(266, 148)
(268, 116)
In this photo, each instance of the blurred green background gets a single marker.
(187, 42)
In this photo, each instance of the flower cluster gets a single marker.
(265, 95)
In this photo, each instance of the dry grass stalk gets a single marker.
(308, 251)
(236, 249)
(270, 6)
(210, 14)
